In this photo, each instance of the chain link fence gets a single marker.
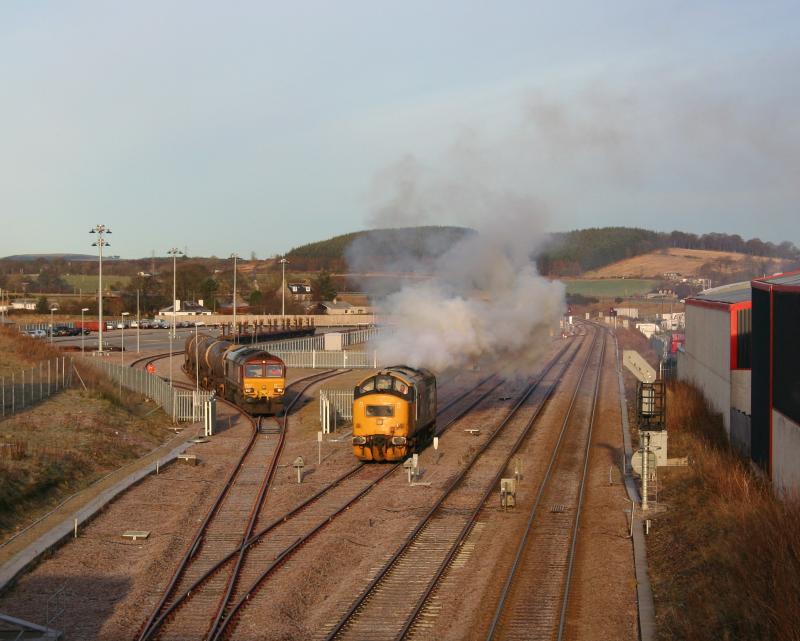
(28, 386)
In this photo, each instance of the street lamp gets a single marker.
(122, 349)
(174, 252)
(52, 309)
(283, 289)
(196, 357)
(138, 321)
(101, 242)
(235, 333)
(83, 328)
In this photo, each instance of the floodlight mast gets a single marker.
(101, 231)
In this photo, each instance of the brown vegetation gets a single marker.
(61, 445)
(725, 555)
(688, 262)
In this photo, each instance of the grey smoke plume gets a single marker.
(483, 298)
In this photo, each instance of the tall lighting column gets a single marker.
(101, 231)
(235, 333)
(83, 327)
(283, 288)
(174, 252)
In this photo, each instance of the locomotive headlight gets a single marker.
(249, 390)
(279, 390)
(398, 440)
(359, 440)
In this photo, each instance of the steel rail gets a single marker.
(540, 494)
(339, 627)
(224, 623)
(254, 539)
(155, 621)
(573, 546)
(433, 583)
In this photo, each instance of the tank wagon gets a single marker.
(394, 413)
(252, 378)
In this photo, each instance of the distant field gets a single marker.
(683, 261)
(89, 283)
(610, 287)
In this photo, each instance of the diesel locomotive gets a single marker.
(394, 413)
(252, 378)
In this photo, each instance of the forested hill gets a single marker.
(377, 246)
(571, 253)
(566, 254)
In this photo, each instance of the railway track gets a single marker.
(535, 597)
(389, 605)
(273, 543)
(227, 526)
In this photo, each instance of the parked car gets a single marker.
(38, 333)
(145, 323)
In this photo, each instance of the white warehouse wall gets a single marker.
(785, 446)
(707, 359)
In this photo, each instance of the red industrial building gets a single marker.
(776, 378)
(717, 356)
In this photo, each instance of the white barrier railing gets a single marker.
(327, 360)
(334, 404)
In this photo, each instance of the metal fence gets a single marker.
(334, 405)
(181, 405)
(317, 343)
(26, 387)
(45, 326)
(325, 360)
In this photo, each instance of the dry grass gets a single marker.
(67, 441)
(18, 351)
(684, 261)
(725, 556)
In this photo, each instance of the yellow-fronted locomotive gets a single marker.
(252, 378)
(394, 413)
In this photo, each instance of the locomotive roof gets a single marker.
(405, 371)
(249, 353)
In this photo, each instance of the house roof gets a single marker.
(336, 304)
(186, 307)
(726, 294)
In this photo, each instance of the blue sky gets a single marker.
(259, 126)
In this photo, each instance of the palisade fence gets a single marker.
(325, 360)
(334, 405)
(317, 343)
(181, 405)
(28, 386)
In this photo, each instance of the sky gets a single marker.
(260, 126)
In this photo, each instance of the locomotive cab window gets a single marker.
(400, 386)
(274, 370)
(380, 410)
(253, 370)
(368, 386)
(383, 383)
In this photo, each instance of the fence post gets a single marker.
(313, 359)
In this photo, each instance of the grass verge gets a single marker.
(725, 556)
